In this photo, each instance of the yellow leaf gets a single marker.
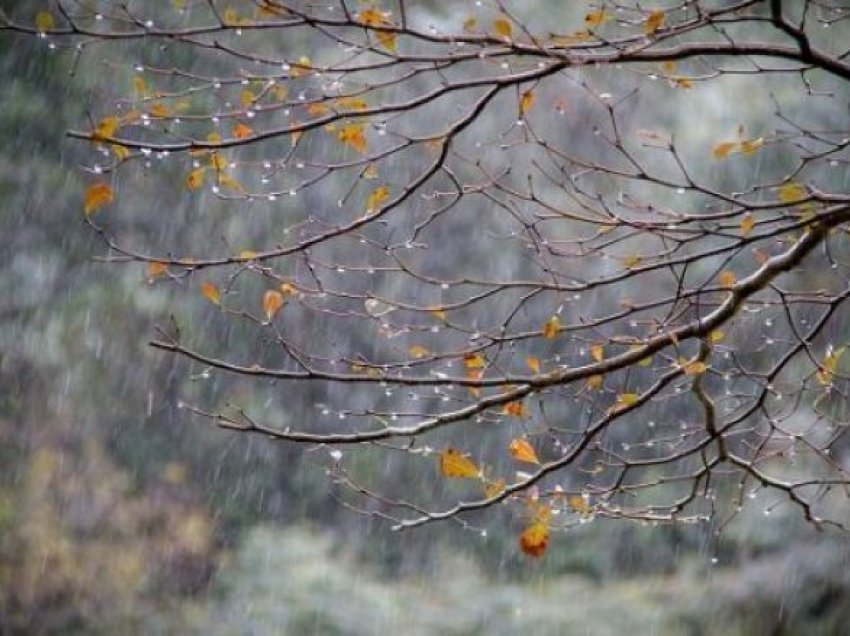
(750, 146)
(230, 16)
(724, 149)
(98, 195)
(247, 98)
(279, 92)
(625, 400)
(376, 198)
(218, 161)
(597, 18)
(580, 504)
(716, 335)
(502, 27)
(694, 367)
(226, 181)
(669, 67)
(522, 451)
(139, 85)
(470, 24)
(474, 374)
(748, 222)
(214, 137)
(535, 539)
(288, 289)
(195, 179)
(272, 302)
(494, 488)
(354, 136)
(44, 21)
(371, 172)
(107, 127)
(438, 313)
(300, 68)
(247, 255)
(654, 21)
(211, 293)
(119, 151)
(474, 361)
(456, 465)
(597, 352)
(533, 363)
(418, 351)
(829, 365)
(683, 82)
(551, 328)
(792, 192)
(156, 269)
(726, 278)
(515, 409)
(387, 39)
(526, 101)
(630, 262)
(595, 382)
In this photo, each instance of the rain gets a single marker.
(424, 318)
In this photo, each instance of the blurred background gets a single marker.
(120, 513)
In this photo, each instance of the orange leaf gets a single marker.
(595, 382)
(456, 465)
(597, 18)
(654, 22)
(158, 109)
(352, 103)
(597, 352)
(522, 451)
(526, 101)
(353, 135)
(533, 363)
(551, 328)
(726, 278)
(272, 302)
(98, 195)
(724, 149)
(156, 269)
(241, 131)
(515, 409)
(535, 539)
(211, 293)
(107, 127)
(502, 27)
(195, 179)
(750, 146)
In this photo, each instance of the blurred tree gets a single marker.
(553, 239)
